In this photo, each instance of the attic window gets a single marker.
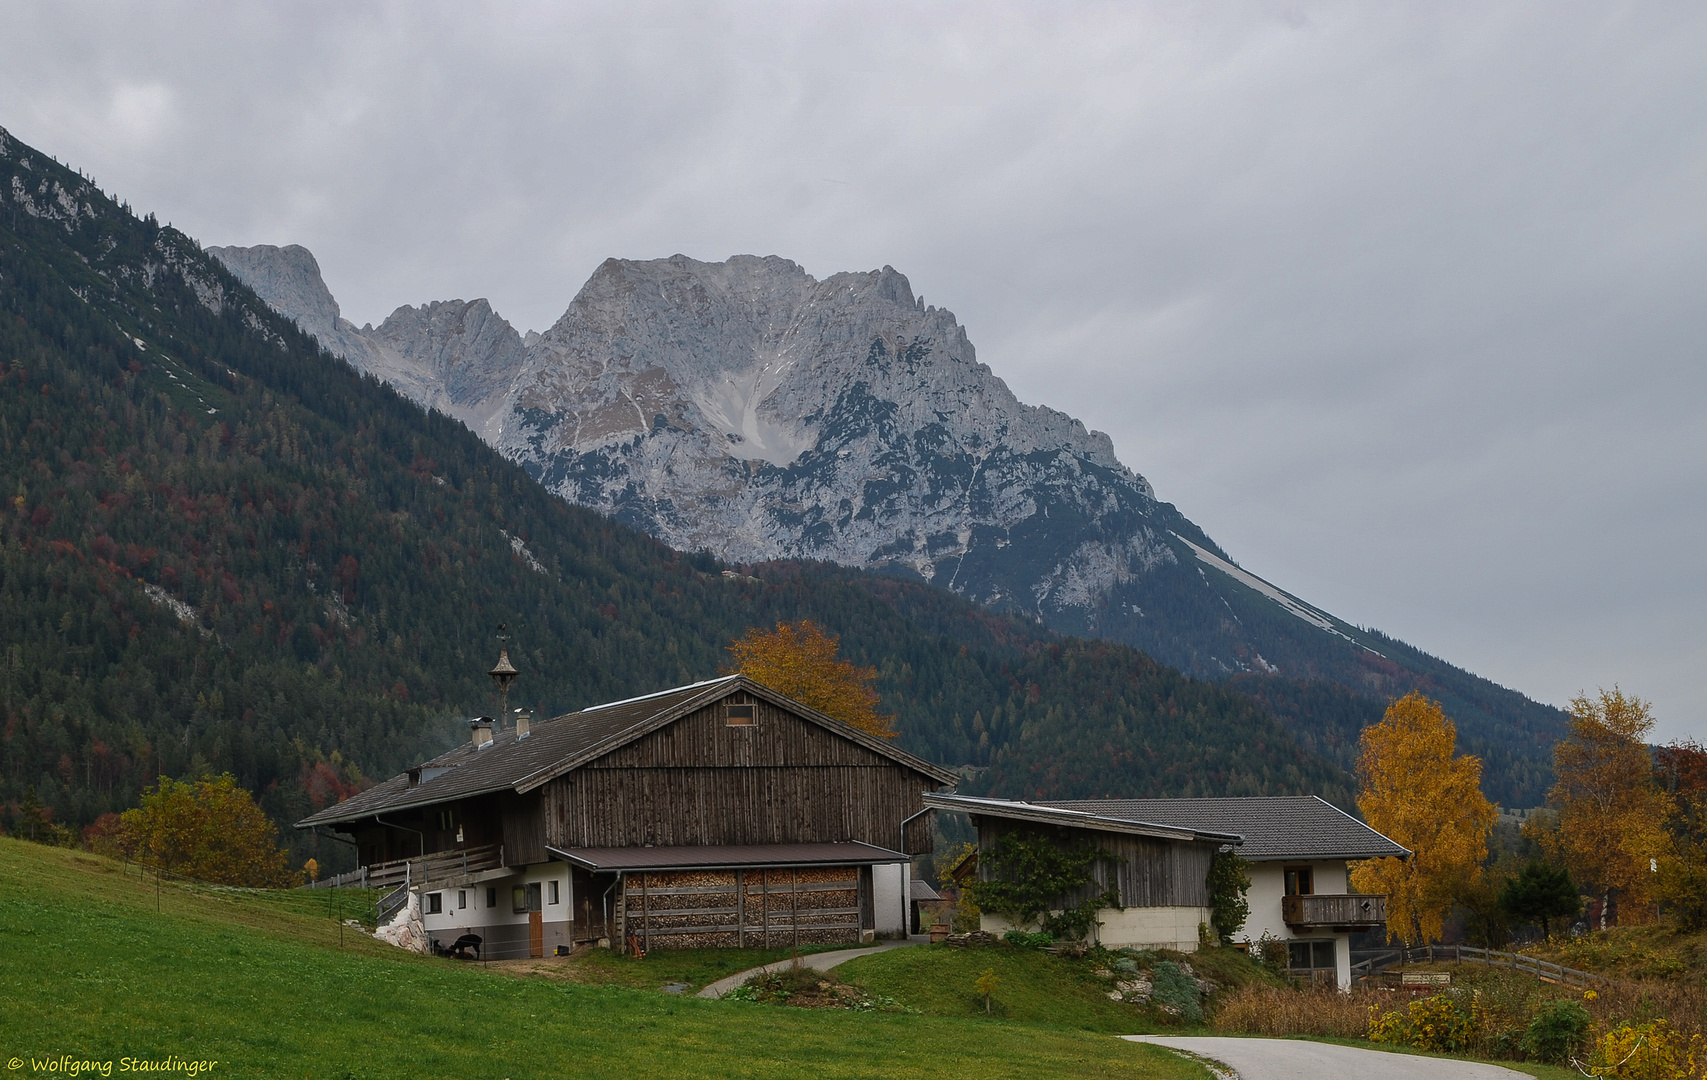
(739, 716)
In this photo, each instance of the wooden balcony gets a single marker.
(1346, 911)
(436, 866)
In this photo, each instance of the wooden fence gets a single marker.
(1470, 954)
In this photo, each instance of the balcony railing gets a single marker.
(425, 869)
(1347, 911)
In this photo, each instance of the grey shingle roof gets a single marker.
(1076, 817)
(1277, 827)
(554, 747)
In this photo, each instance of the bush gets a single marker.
(1271, 953)
(1176, 992)
(1448, 1023)
(1557, 1032)
(1652, 1051)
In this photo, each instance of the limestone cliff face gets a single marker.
(748, 409)
(456, 356)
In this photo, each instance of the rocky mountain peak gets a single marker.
(457, 356)
(288, 279)
(747, 408)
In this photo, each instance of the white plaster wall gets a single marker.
(1151, 927)
(481, 919)
(889, 898)
(1268, 886)
(1145, 928)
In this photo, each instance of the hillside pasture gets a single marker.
(259, 983)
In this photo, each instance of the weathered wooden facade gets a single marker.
(780, 780)
(714, 814)
(1158, 873)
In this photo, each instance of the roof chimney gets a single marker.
(523, 719)
(482, 727)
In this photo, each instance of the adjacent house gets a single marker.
(1298, 847)
(716, 814)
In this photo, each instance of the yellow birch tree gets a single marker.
(1416, 791)
(801, 660)
(1612, 812)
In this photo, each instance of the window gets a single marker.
(1305, 955)
(551, 892)
(739, 715)
(435, 903)
(1298, 881)
(461, 898)
(524, 898)
(491, 897)
(447, 820)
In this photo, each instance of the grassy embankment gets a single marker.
(1653, 952)
(1034, 986)
(258, 982)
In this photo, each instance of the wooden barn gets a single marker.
(716, 814)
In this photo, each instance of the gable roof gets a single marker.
(1075, 818)
(557, 746)
(1272, 828)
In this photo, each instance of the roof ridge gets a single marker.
(654, 694)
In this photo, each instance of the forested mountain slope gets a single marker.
(748, 409)
(223, 548)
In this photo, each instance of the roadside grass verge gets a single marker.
(1529, 1068)
(1507, 1001)
(261, 986)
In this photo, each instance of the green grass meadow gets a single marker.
(259, 983)
(1034, 988)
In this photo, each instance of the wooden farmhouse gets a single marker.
(1298, 846)
(716, 814)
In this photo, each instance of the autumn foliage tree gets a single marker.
(1681, 769)
(1612, 812)
(801, 660)
(1417, 791)
(207, 829)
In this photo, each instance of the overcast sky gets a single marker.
(1406, 306)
